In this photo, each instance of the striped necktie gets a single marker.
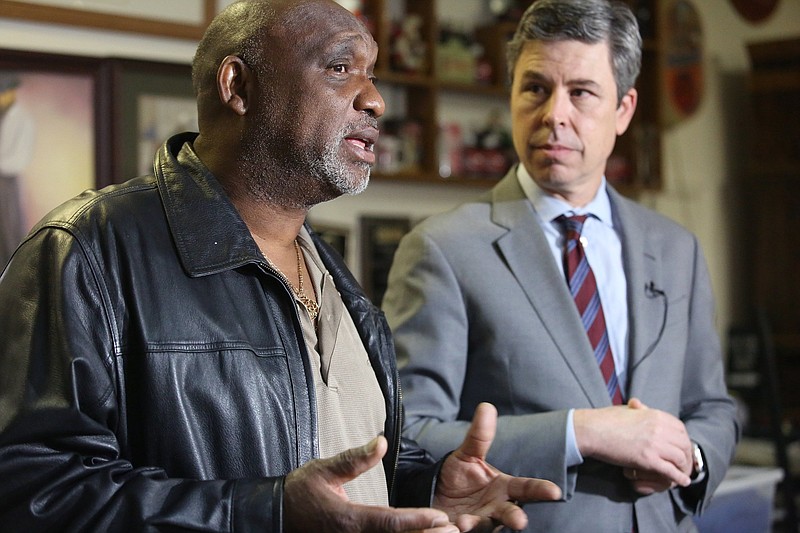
(583, 286)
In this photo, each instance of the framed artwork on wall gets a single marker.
(379, 237)
(337, 236)
(52, 145)
(185, 19)
(683, 61)
(149, 102)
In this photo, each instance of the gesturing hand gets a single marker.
(476, 495)
(314, 499)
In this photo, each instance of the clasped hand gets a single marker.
(652, 446)
(471, 495)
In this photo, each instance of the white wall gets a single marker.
(74, 40)
(701, 154)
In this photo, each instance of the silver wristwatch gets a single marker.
(698, 466)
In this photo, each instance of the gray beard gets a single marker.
(298, 178)
(330, 170)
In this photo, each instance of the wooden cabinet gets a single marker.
(773, 191)
(635, 165)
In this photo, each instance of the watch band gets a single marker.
(699, 464)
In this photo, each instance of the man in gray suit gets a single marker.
(481, 306)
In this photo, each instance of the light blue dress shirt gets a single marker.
(604, 254)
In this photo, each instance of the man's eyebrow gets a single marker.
(346, 44)
(583, 82)
(533, 75)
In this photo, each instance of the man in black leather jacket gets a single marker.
(160, 355)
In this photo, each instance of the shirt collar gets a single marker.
(549, 207)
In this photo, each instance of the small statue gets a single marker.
(408, 46)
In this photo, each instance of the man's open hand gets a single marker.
(314, 499)
(476, 495)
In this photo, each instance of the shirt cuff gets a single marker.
(573, 454)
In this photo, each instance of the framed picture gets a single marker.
(336, 236)
(682, 60)
(186, 19)
(379, 237)
(150, 101)
(52, 145)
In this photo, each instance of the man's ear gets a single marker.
(625, 110)
(234, 79)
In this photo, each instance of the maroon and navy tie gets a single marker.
(583, 286)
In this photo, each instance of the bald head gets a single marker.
(244, 29)
(233, 32)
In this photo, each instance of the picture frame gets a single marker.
(54, 125)
(149, 101)
(336, 236)
(379, 237)
(186, 19)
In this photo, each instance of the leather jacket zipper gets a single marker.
(398, 428)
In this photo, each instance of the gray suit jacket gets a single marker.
(480, 312)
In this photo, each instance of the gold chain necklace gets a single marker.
(311, 306)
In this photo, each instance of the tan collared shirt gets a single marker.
(350, 404)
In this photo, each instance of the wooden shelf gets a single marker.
(419, 177)
(637, 155)
(404, 78)
(420, 80)
(498, 91)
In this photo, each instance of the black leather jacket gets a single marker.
(153, 374)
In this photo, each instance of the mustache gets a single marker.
(366, 122)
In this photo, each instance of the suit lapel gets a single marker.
(525, 250)
(642, 265)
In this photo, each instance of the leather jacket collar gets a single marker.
(187, 187)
